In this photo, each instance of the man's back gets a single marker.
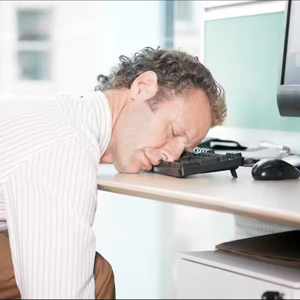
(49, 152)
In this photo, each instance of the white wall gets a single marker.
(87, 39)
(127, 26)
(74, 34)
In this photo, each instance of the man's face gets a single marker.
(143, 138)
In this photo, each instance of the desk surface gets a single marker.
(277, 201)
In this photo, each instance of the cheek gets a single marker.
(139, 131)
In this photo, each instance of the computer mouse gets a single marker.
(274, 169)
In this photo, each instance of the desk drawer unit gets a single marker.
(213, 275)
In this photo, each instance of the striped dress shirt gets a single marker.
(50, 148)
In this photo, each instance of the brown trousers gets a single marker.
(104, 277)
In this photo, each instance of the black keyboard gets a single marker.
(200, 160)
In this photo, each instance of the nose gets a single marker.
(171, 153)
(167, 153)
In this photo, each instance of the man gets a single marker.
(150, 108)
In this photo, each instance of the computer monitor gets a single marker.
(288, 96)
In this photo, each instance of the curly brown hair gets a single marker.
(177, 73)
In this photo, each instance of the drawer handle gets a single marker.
(269, 295)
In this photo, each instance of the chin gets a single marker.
(128, 169)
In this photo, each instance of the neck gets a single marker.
(117, 100)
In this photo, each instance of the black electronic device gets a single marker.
(274, 169)
(200, 161)
(288, 96)
(220, 144)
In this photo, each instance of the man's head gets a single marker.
(170, 102)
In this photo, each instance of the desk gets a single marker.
(276, 201)
(158, 231)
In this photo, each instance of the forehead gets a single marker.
(193, 116)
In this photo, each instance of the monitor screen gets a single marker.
(292, 64)
(288, 96)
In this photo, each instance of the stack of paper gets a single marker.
(279, 248)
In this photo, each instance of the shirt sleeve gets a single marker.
(51, 202)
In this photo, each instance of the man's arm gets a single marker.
(51, 203)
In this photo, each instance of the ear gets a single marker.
(144, 86)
